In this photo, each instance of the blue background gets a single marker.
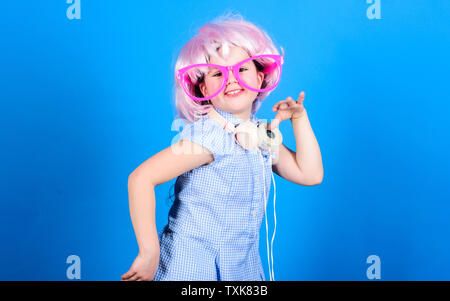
(84, 102)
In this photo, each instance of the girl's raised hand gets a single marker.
(288, 109)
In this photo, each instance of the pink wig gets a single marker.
(223, 31)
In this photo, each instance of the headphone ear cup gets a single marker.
(247, 135)
(270, 139)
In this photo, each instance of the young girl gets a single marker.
(223, 179)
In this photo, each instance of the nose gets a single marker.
(231, 77)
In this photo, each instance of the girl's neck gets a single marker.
(244, 116)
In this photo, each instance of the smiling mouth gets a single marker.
(234, 93)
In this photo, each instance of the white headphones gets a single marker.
(251, 136)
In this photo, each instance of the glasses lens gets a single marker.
(248, 72)
(210, 76)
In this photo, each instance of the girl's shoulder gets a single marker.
(207, 133)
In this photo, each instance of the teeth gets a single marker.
(234, 92)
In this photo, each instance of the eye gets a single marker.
(217, 74)
(243, 69)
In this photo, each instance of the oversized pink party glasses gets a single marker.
(215, 77)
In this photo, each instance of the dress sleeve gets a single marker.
(204, 133)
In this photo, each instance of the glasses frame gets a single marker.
(279, 59)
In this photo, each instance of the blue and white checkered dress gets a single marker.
(213, 225)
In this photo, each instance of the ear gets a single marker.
(203, 89)
(260, 78)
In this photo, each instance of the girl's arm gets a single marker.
(304, 166)
(162, 167)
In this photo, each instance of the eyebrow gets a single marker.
(210, 71)
(224, 66)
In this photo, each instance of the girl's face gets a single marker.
(240, 105)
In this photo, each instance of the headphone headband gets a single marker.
(226, 125)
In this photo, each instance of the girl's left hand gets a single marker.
(288, 109)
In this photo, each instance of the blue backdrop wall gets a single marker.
(84, 101)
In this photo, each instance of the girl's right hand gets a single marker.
(144, 267)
